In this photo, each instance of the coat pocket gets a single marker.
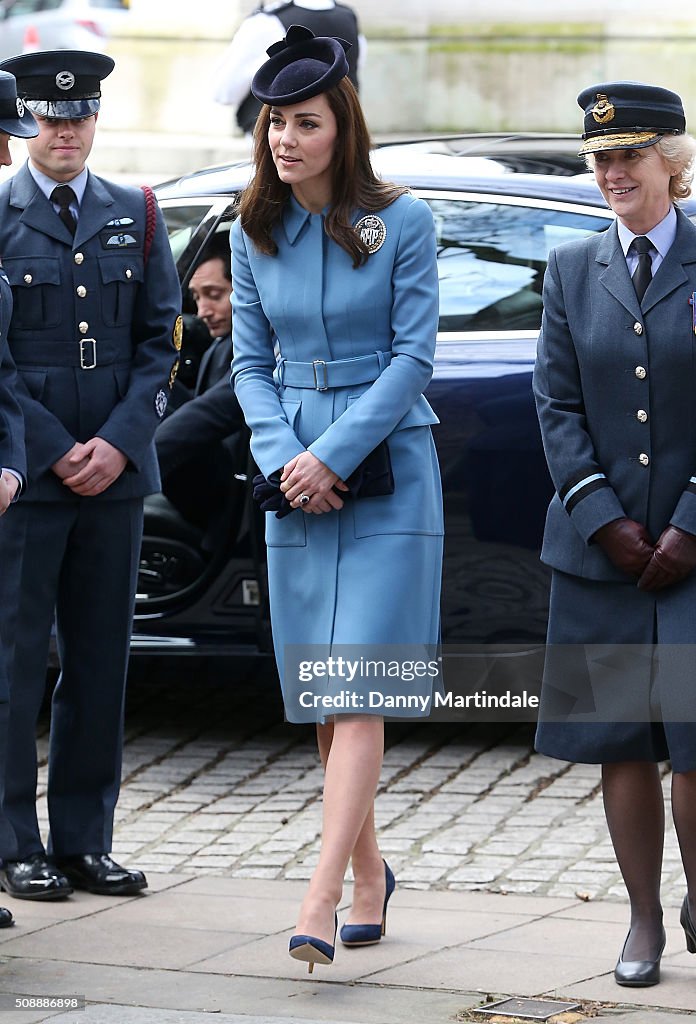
(35, 284)
(415, 507)
(120, 274)
(35, 382)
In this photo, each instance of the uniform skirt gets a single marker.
(620, 673)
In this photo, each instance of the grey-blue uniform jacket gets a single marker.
(11, 422)
(93, 330)
(616, 394)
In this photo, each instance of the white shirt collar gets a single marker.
(46, 184)
(661, 236)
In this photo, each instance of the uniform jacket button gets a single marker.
(84, 326)
(638, 327)
(129, 273)
(642, 416)
(79, 258)
(640, 372)
(28, 278)
(643, 459)
(81, 291)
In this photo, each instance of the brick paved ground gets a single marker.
(216, 783)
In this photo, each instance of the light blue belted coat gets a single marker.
(369, 574)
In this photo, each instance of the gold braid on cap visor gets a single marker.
(616, 141)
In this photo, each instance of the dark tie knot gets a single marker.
(641, 244)
(63, 196)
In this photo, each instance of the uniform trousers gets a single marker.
(79, 560)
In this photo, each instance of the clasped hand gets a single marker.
(8, 488)
(88, 469)
(306, 474)
(630, 548)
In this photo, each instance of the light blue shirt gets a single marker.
(661, 236)
(46, 184)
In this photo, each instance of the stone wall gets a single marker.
(440, 65)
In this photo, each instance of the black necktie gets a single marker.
(63, 195)
(642, 275)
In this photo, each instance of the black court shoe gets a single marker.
(688, 926)
(6, 918)
(639, 973)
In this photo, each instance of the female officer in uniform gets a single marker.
(335, 316)
(616, 397)
(14, 120)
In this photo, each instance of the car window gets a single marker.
(492, 257)
(182, 222)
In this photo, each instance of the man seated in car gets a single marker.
(194, 463)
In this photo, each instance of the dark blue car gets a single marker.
(495, 228)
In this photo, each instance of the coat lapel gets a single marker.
(615, 276)
(37, 212)
(672, 272)
(95, 211)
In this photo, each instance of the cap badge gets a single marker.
(20, 107)
(604, 110)
(65, 80)
(372, 231)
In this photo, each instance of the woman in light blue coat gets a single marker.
(335, 317)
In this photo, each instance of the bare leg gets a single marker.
(684, 814)
(352, 750)
(368, 868)
(635, 814)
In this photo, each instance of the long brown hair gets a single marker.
(354, 184)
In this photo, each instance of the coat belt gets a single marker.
(85, 353)
(321, 374)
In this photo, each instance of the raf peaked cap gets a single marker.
(300, 66)
(60, 84)
(15, 119)
(629, 115)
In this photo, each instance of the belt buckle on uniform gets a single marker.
(322, 364)
(88, 359)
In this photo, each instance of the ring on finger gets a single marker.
(304, 500)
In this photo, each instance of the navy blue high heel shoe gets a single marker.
(369, 934)
(312, 950)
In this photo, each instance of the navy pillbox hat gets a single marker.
(15, 119)
(629, 115)
(300, 66)
(60, 84)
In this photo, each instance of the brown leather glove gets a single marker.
(672, 560)
(626, 544)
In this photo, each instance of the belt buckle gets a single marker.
(320, 363)
(88, 359)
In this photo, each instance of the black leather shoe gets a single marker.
(639, 973)
(34, 879)
(98, 873)
(6, 918)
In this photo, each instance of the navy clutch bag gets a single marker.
(373, 478)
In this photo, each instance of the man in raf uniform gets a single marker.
(14, 120)
(94, 334)
(261, 29)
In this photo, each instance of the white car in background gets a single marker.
(28, 25)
